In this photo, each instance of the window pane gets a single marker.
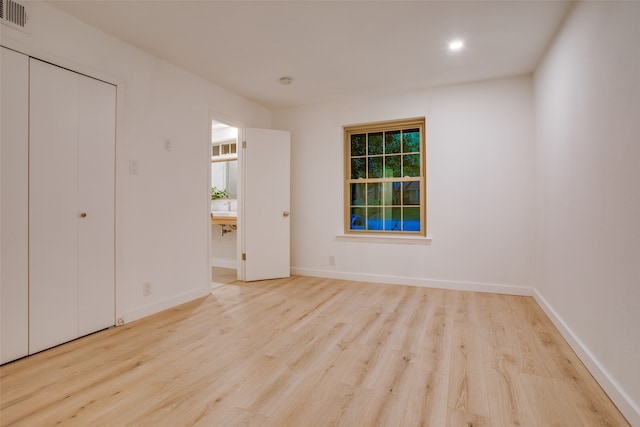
(392, 167)
(375, 167)
(374, 219)
(393, 219)
(225, 148)
(358, 194)
(375, 144)
(357, 218)
(411, 220)
(374, 194)
(411, 165)
(392, 142)
(397, 194)
(411, 193)
(411, 141)
(358, 168)
(359, 145)
(387, 198)
(215, 150)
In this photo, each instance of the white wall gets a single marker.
(479, 187)
(587, 104)
(224, 248)
(223, 134)
(162, 214)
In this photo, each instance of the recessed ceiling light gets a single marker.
(286, 80)
(456, 45)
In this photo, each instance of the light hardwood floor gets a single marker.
(315, 352)
(223, 275)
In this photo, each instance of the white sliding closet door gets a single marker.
(14, 154)
(71, 205)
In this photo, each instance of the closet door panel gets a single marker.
(96, 135)
(53, 206)
(14, 201)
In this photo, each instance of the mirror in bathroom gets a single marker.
(224, 176)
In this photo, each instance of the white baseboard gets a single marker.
(624, 403)
(224, 262)
(413, 281)
(158, 306)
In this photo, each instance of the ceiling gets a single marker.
(331, 49)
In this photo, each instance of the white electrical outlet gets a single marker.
(332, 260)
(146, 289)
(120, 321)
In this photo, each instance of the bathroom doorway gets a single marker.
(249, 206)
(223, 236)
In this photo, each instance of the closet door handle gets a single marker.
(83, 215)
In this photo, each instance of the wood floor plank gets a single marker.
(315, 352)
(467, 392)
(509, 403)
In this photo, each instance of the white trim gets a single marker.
(224, 262)
(238, 264)
(619, 397)
(165, 304)
(57, 60)
(381, 238)
(414, 281)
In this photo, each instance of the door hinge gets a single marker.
(244, 256)
(244, 144)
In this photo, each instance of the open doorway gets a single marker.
(250, 189)
(224, 203)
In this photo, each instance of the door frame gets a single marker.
(221, 118)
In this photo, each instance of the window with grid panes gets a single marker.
(385, 178)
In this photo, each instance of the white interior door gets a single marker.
(14, 251)
(53, 206)
(266, 219)
(71, 205)
(96, 194)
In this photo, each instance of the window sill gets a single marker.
(407, 240)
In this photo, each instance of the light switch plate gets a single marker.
(133, 167)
